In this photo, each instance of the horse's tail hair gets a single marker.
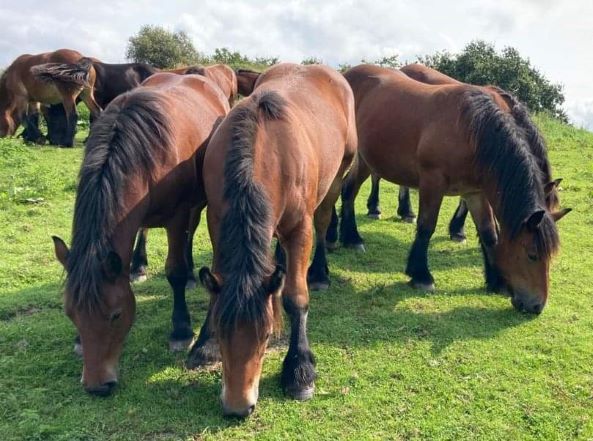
(67, 73)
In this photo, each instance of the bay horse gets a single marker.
(29, 80)
(221, 74)
(508, 103)
(457, 141)
(246, 80)
(280, 154)
(142, 167)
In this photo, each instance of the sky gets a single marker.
(556, 35)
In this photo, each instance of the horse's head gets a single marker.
(243, 338)
(102, 326)
(524, 260)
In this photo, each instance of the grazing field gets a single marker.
(393, 363)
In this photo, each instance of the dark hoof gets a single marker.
(303, 394)
(409, 219)
(319, 286)
(331, 246)
(458, 237)
(140, 275)
(423, 286)
(180, 345)
(374, 215)
(200, 356)
(191, 284)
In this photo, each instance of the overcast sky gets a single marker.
(557, 35)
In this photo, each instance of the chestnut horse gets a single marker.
(457, 141)
(273, 168)
(507, 103)
(25, 84)
(142, 167)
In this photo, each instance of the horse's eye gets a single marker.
(115, 316)
(532, 257)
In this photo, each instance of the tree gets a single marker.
(312, 60)
(479, 63)
(162, 48)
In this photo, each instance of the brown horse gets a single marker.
(221, 74)
(280, 155)
(24, 84)
(142, 167)
(246, 80)
(457, 141)
(507, 103)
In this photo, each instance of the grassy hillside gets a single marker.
(393, 363)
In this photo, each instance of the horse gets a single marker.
(280, 154)
(30, 80)
(142, 167)
(246, 80)
(507, 103)
(457, 141)
(221, 74)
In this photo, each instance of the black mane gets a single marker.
(245, 229)
(127, 141)
(504, 156)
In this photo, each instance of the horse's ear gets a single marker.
(534, 220)
(550, 186)
(61, 250)
(209, 280)
(112, 265)
(557, 215)
(276, 282)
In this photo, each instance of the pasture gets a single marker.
(393, 363)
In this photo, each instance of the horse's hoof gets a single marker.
(205, 355)
(459, 238)
(376, 216)
(78, 349)
(303, 394)
(319, 286)
(138, 277)
(409, 219)
(191, 284)
(331, 246)
(356, 247)
(180, 345)
(427, 287)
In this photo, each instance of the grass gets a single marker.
(393, 363)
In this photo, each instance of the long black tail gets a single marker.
(68, 73)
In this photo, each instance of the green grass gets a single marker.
(393, 363)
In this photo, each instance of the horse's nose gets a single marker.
(524, 306)
(102, 390)
(238, 413)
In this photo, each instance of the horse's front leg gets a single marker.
(404, 205)
(298, 370)
(176, 269)
(139, 270)
(456, 226)
(431, 193)
(205, 350)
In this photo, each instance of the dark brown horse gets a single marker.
(508, 103)
(142, 167)
(273, 169)
(457, 141)
(30, 80)
(246, 80)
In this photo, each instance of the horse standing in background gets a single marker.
(273, 168)
(142, 168)
(457, 141)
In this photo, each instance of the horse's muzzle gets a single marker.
(102, 390)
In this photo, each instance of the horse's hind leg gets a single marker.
(404, 205)
(456, 230)
(483, 217)
(69, 102)
(318, 273)
(194, 221)
(374, 210)
(348, 230)
(431, 193)
(298, 370)
(31, 122)
(176, 268)
(139, 270)
(331, 237)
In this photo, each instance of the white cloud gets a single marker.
(555, 35)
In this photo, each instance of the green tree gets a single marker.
(479, 63)
(312, 60)
(162, 48)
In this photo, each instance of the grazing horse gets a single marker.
(221, 74)
(246, 80)
(507, 103)
(273, 168)
(457, 141)
(31, 80)
(142, 167)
